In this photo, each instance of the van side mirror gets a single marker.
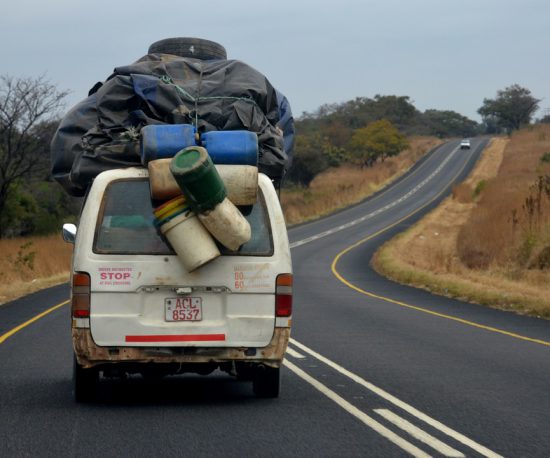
(69, 232)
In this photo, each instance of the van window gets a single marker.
(125, 224)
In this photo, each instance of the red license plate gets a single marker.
(183, 308)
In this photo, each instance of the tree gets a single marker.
(447, 123)
(27, 109)
(397, 109)
(513, 107)
(309, 159)
(378, 140)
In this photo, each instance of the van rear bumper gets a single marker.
(88, 354)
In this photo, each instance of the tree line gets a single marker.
(361, 131)
(366, 130)
(30, 202)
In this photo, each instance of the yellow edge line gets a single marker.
(32, 320)
(414, 307)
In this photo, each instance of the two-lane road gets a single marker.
(374, 368)
(481, 372)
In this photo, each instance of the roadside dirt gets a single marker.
(20, 289)
(29, 264)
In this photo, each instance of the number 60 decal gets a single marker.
(239, 280)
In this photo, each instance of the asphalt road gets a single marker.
(374, 368)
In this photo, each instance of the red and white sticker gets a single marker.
(252, 276)
(115, 276)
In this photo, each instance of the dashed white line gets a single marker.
(360, 415)
(388, 415)
(398, 403)
(380, 210)
(294, 353)
(419, 434)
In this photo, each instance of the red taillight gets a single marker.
(80, 306)
(283, 295)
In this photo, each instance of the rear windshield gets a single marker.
(126, 224)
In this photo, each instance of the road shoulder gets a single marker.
(425, 255)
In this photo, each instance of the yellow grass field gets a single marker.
(346, 185)
(33, 263)
(433, 254)
(427, 254)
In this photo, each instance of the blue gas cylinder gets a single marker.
(231, 146)
(165, 140)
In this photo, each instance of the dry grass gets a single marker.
(511, 223)
(426, 255)
(346, 185)
(33, 263)
(30, 264)
(463, 193)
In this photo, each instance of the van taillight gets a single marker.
(81, 295)
(283, 295)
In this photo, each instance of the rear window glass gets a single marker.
(126, 224)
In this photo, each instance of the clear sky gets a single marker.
(443, 54)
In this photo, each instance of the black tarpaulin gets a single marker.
(103, 131)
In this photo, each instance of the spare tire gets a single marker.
(189, 47)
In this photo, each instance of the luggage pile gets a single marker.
(202, 92)
(200, 198)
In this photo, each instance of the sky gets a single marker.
(443, 54)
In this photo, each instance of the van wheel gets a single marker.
(189, 47)
(266, 381)
(245, 371)
(84, 383)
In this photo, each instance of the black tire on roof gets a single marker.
(189, 47)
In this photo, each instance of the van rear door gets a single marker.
(142, 296)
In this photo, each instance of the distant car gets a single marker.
(465, 144)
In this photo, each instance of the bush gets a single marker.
(37, 209)
(479, 189)
(309, 159)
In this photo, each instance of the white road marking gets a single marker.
(360, 415)
(294, 353)
(416, 432)
(398, 403)
(401, 423)
(380, 210)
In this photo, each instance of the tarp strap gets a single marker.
(167, 80)
(197, 101)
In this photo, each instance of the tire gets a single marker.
(189, 47)
(245, 371)
(266, 382)
(84, 383)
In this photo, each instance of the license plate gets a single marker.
(183, 308)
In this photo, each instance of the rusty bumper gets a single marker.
(88, 354)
